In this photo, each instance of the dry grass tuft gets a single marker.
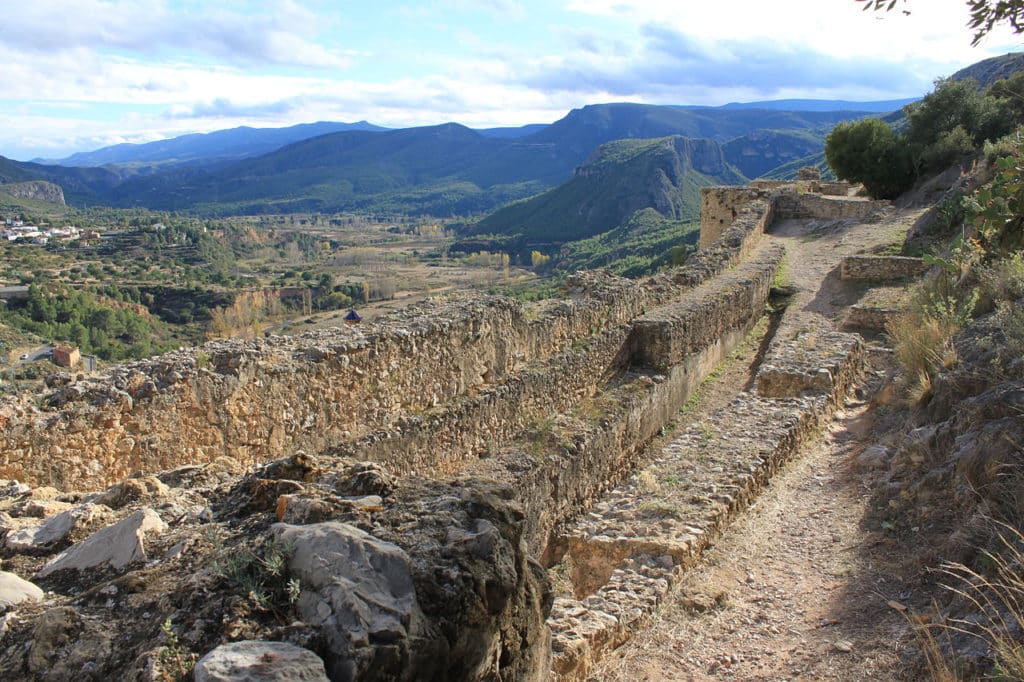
(997, 600)
(923, 345)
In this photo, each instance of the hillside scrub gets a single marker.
(110, 328)
(952, 122)
(869, 152)
(955, 482)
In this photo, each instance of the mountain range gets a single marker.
(235, 143)
(444, 170)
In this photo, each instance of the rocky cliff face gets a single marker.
(35, 190)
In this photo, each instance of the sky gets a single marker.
(83, 74)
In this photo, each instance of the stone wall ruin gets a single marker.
(464, 439)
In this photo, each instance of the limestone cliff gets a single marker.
(35, 190)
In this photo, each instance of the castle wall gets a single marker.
(256, 400)
(424, 390)
(719, 207)
(803, 206)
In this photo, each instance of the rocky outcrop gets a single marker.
(251, 661)
(35, 190)
(382, 580)
(619, 179)
(359, 592)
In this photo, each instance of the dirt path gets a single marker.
(797, 589)
(801, 586)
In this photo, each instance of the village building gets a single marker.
(66, 356)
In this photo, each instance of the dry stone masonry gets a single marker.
(882, 268)
(389, 502)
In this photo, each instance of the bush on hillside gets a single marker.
(868, 152)
(952, 122)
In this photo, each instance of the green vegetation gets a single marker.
(103, 326)
(646, 242)
(869, 152)
(155, 280)
(621, 178)
(982, 267)
(176, 661)
(949, 124)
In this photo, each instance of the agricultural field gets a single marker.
(150, 282)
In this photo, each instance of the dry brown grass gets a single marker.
(995, 597)
(923, 345)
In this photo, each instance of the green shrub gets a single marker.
(868, 152)
(949, 147)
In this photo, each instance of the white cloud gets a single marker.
(281, 33)
(190, 65)
(935, 30)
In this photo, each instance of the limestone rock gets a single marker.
(115, 546)
(14, 590)
(365, 478)
(131, 490)
(42, 509)
(255, 661)
(53, 531)
(874, 457)
(298, 510)
(360, 591)
(36, 190)
(12, 489)
(54, 630)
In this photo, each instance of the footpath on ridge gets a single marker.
(797, 587)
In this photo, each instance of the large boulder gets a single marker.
(115, 546)
(443, 589)
(14, 590)
(53, 531)
(359, 591)
(256, 661)
(475, 581)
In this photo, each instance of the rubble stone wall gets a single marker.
(721, 206)
(834, 189)
(804, 206)
(421, 390)
(440, 443)
(881, 268)
(256, 400)
(557, 483)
